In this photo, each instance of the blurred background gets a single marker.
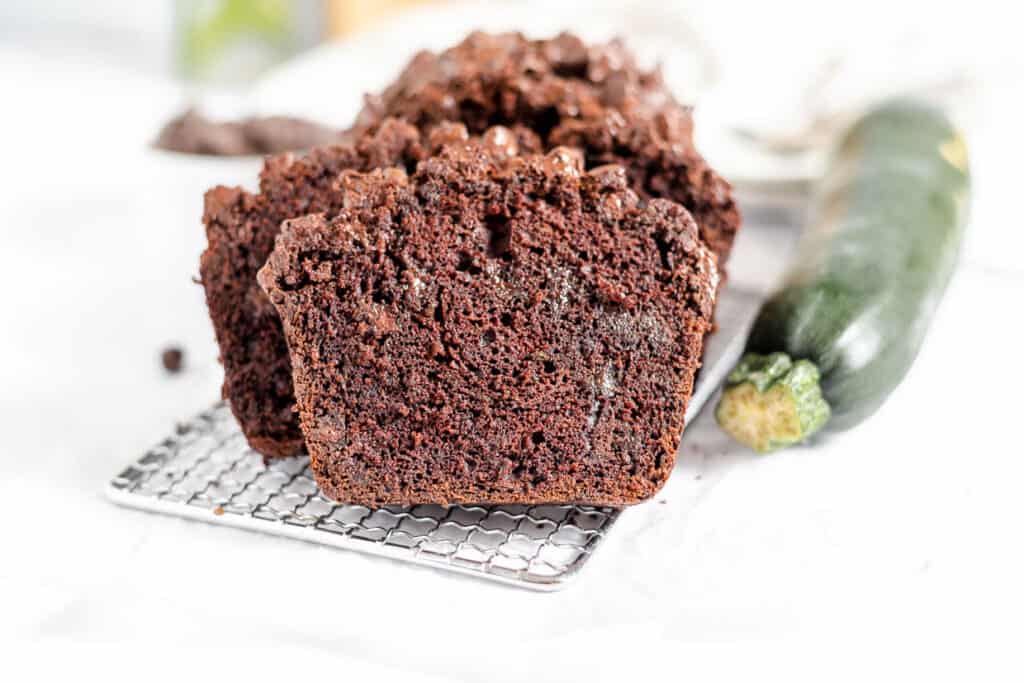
(101, 233)
(778, 76)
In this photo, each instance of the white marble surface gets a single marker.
(892, 550)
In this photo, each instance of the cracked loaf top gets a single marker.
(493, 329)
(593, 97)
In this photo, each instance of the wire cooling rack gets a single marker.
(206, 471)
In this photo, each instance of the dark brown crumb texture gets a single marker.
(240, 229)
(595, 98)
(493, 329)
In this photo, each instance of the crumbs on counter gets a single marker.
(193, 133)
(173, 359)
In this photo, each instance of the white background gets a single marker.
(893, 550)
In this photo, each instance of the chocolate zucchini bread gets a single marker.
(493, 329)
(240, 230)
(595, 98)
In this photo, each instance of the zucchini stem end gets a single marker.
(771, 402)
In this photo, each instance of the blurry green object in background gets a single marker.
(234, 41)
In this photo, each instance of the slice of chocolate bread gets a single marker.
(595, 98)
(493, 329)
(240, 230)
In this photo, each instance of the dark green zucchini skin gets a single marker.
(875, 260)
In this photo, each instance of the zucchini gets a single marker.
(829, 347)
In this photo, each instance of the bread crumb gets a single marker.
(173, 359)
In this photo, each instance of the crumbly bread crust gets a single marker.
(592, 97)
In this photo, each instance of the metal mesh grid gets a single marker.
(207, 471)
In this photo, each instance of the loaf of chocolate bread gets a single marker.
(493, 328)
